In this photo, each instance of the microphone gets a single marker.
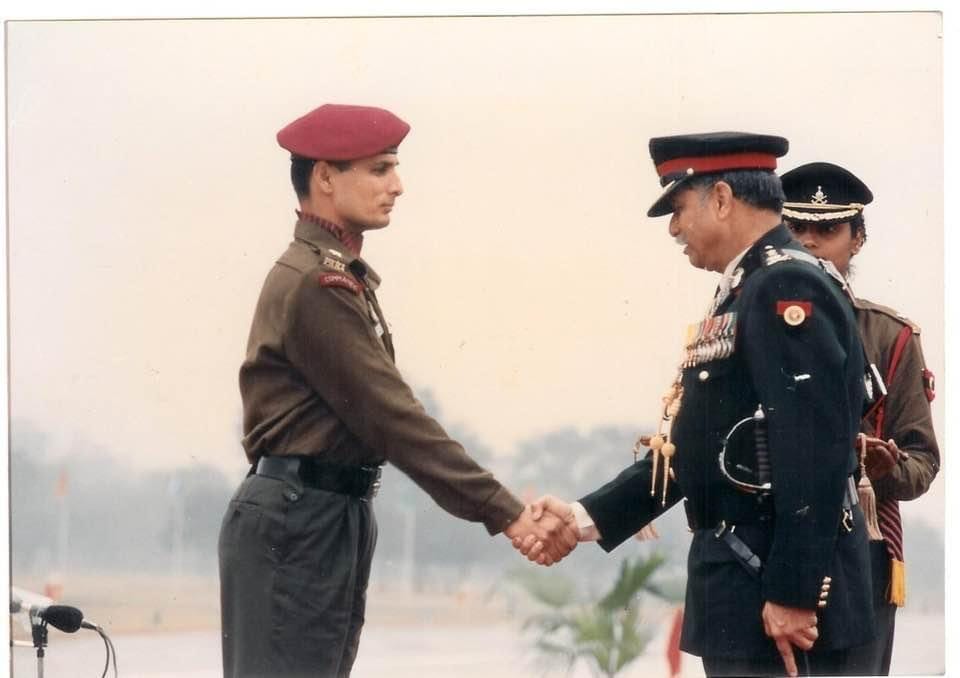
(63, 617)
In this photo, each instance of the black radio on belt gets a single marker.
(356, 481)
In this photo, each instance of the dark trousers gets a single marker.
(817, 662)
(873, 659)
(294, 566)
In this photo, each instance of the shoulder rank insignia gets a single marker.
(335, 264)
(339, 280)
(775, 256)
(771, 256)
(794, 312)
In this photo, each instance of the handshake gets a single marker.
(545, 532)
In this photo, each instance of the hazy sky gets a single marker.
(525, 286)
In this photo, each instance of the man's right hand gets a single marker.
(546, 510)
(544, 535)
(790, 627)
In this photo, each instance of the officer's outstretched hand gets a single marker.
(647, 532)
(545, 535)
(790, 627)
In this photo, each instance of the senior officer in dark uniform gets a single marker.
(323, 407)
(758, 429)
(825, 211)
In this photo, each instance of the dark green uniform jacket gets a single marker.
(809, 379)
(318, 380)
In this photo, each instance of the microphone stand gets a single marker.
(39, 641)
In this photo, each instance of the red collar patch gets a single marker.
(352, 241)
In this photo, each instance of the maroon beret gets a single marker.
(339, 132)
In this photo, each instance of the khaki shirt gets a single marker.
(319, 380)
(907, 417)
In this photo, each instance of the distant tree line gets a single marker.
(121, 519)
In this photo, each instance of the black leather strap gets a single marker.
(745, 556)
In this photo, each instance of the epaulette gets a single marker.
(868, 305)
(331, 267)
(328, 257)
(338, 270)
(773, 255)
(333, 259)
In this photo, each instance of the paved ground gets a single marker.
(487, 650)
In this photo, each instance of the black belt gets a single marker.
(751, 561)
(356, 481)
(758, 515)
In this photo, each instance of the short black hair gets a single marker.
(301, 168)
(759, 188)
(858, 224)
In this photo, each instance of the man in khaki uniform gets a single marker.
(324, 407)
(824, 209)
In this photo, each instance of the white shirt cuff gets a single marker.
(588, 531)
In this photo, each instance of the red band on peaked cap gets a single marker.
(718, 163)
(342, 132)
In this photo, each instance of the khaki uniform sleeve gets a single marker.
(330, 339)
(908, 421)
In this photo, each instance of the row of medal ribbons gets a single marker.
(711, 339)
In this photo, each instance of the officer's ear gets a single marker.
(321, 176)
(857, 243)
(721, 199)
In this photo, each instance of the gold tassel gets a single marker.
(868, 504)
(897, 593)
(867, 497)
(655, 444)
